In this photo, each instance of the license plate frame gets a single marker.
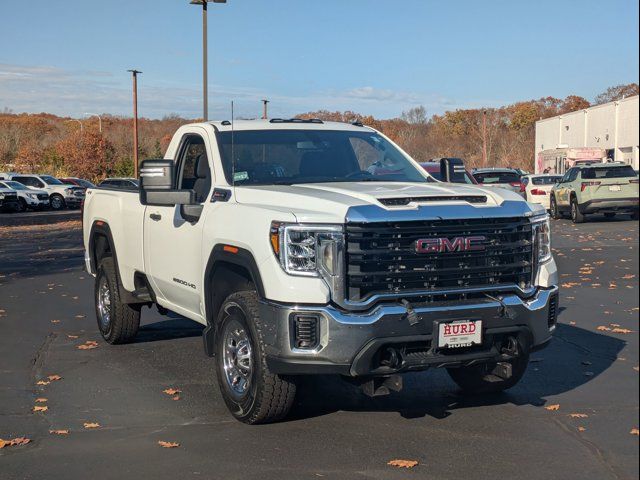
(615, 188)
(458, 334)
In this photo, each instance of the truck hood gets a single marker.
(329, 202)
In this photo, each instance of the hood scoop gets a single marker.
(403, 201)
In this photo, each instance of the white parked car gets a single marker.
(506, 178)
(27, 197)
(537, 188)
(61, 195)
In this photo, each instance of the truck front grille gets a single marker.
(382, 257)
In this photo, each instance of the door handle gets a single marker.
(156, 217)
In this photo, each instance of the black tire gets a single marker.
(576, 214)
(258, 396)
(555, 212)
(57, 202)
(23, 205)
(123, 321)
(635, 215)
(478, 379)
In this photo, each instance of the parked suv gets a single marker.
(61, 195)
(28, 198)
(8, 200)
(608, 188)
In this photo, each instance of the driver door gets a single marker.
(172, 245)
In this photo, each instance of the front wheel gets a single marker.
(118, 322)
(251, 392)
(23, 205)
(479, 379)
(57, 202)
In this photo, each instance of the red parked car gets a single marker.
(80, 182)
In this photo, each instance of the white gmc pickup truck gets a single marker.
(307, 247)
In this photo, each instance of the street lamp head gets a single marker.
(202, 2)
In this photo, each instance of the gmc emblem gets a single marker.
(445, 245)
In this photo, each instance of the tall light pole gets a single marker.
(265, 112)
(99, 120)
(135, 73)
(205, 80)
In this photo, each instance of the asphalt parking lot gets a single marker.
(571, 417)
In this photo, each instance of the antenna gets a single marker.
(233, 153)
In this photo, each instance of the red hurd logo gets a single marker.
(445, 245)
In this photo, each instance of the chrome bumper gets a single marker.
(348, 341)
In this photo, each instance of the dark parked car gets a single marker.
(126, 183)
(79, 182)
(435, 170)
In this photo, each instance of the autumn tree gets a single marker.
(618, 92)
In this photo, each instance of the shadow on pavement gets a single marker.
(575, 357)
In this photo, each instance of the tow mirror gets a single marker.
(157, 180)
(452, 170)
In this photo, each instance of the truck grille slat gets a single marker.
(382, 258)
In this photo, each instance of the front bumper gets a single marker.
(350, 343)
(622, 205)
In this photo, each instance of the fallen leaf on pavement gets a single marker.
(59, 432)
(91, 425)
(623, 331)
(553, 408)
(602, 328)
(582, 429)
(39, 408)
(164, 444)
(53, 378)
(634, 431)
(72, 337)
(177, 397)
(55, 321)
(172, 391)
(41, 400)
(578, 415)
(15, 442)
(402, 463)
(88, 345)
(80, 316)
(42, 382)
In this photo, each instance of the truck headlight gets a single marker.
(308, 250)
(68, 191)
(542, 239)
(32, 196)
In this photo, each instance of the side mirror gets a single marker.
(157, 180)
(452, 170)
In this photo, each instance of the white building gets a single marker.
(611, 127)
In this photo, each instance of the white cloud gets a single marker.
(65, 92)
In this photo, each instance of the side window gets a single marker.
(29, 181)
(193, 167)
(573, 174)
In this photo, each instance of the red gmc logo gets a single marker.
(445, 245)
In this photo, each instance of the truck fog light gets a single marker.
(306, 331)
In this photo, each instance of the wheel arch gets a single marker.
(239, 271)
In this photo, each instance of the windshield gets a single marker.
(14, 185)
(497, 177)
(49, 180)
(609, 172)
(286, 157)
(551, 180)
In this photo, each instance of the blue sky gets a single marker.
(377, 57)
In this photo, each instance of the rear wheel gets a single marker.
(57, 202)
(251, 392)
(576, 214)
(118, 322)
(23, 205)
(483, 378)
(635, 215)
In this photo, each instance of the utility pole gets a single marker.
(265, 104)
(99, 120)
(484, 138)
(134, 74)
